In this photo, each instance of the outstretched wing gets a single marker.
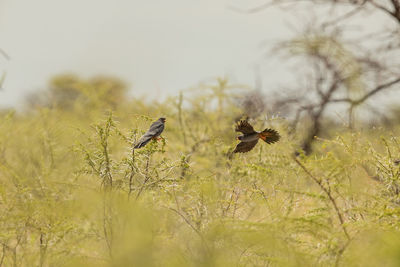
(270, 136)
(244, 127)
(243, 147)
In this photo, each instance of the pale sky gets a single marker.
(156, 46)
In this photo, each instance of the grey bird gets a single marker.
(250, 137)
(156, 128)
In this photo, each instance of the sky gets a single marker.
(158, 47)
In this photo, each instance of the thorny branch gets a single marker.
(328, 192)
(146, 177)
(193, 227)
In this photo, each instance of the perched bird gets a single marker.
(155, 130)
(250, 137)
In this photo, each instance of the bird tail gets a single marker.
(270, 136)
(142, 143)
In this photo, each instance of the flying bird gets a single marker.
(250, 137)
(156, 128)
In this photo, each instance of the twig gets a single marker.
(147, 177)
(180, 117)
(5, 55)
(3, 254)
(191, 226)
(328, 193)
(132, 174)
(347, 15)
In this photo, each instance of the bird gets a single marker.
(250, 137)
(156, 128)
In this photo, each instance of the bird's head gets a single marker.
(162, 119)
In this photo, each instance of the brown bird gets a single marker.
(156, 128)
(250, 137)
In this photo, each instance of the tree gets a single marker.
(337, 69)
(68, 91)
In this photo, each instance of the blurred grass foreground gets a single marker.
(74, 193)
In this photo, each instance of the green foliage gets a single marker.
(74, 192)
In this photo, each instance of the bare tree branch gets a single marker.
(369, 94)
